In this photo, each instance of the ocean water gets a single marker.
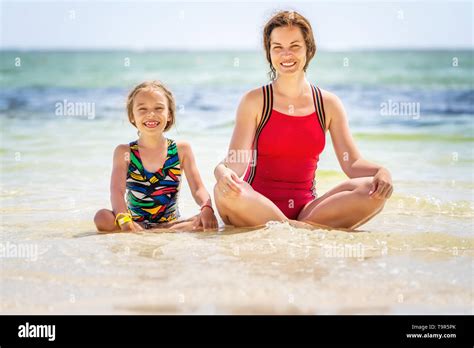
(411, 111)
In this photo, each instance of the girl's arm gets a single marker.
(117, 184)
(188, 164)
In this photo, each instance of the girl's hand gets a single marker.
(206, 219)
(229, 182)
(382, 187)
(131, 226)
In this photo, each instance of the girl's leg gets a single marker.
(186, 225)
(104, 220)
(247, 208)
(348, 205)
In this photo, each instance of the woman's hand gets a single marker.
(229, 182)
(206, 219)
(382, 187)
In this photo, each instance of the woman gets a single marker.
(281, 127)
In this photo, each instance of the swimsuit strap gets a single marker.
(171, 159)
(266, 112)
(319, 106)
(135, 160)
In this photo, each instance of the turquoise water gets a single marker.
(95, 69)
(55, 172)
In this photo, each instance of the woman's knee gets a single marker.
(374, 205)
(229, 197)
(362, 185)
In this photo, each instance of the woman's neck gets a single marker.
(291, 86)
(148, 141)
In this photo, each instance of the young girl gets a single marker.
(148, 170)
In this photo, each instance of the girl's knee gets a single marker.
(101, 214)
(103, 218)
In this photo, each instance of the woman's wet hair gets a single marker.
(289, 19)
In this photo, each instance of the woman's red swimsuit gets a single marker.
(286, 153)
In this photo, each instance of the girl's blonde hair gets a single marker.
(157, 86)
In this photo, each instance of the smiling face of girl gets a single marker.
(151, 108)
(150, 111)
(287, 50)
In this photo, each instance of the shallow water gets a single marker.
(414, 257)
(276, 269)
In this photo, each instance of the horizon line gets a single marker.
(249, 50)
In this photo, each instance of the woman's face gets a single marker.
(287, 50)
(150, 111)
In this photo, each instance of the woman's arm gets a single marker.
(240, 148)
(117, 184)
(349, 157)
(198, 190)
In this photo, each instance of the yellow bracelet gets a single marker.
(123, 218)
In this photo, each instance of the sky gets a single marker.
(220, 25)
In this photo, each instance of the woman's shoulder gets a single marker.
(253, 97)
(333, 107)
(251, 105)
(329, 98)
